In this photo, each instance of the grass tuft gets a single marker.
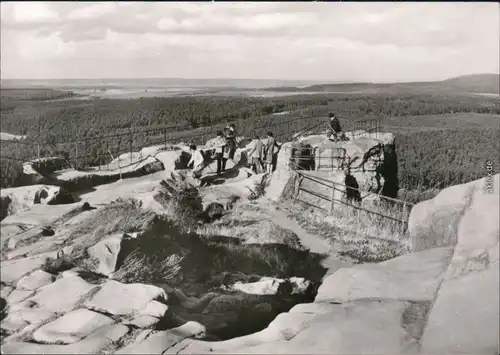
(359, 235)
(138, 267)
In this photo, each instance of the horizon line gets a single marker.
(326, 81)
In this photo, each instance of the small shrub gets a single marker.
(77, 258)
(259, 190)
(138, 267)
(59, 264)
(417, 195)
(182, 207)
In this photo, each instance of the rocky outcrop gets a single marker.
(242, 186)
(75, 180)
(18, 199)
(56, 171)
(464, 318)
(441, 298)
(370, 159)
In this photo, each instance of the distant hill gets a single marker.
(466, 84)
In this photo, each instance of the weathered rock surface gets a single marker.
(71, 327)
(100, 339)
(160, 341)
(225, 194)
(35, 280)
(272, 286)
(142, 321)
(12, 270)
(155, 309)
(442, 298)
(64, 294)
(123, 299)
(74, 180)
(18, 199)
(414, 277)
(464, 318)
(17, 296)
(371, 158)
(106, 254)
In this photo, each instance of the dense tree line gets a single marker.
(440, 158)
(84, 118)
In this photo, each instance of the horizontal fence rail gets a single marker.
(335, 186)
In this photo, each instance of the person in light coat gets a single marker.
(197, 161)
(220, 144)
(254, 150)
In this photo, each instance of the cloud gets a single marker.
(33, 13)
(338, 41)
(93, 11)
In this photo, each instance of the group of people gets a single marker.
(260, 154)
(225, 147)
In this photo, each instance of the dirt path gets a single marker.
(314, 243)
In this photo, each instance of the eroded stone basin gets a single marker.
(203, 289)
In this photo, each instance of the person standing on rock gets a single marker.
(197, 160)
(231, 140)
(336, 129)
(254, 150)
(220, 144)
(269, 152)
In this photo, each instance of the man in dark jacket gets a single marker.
(336, 129)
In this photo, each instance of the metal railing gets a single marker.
(403, 207)
(96, 151)
(334, 161)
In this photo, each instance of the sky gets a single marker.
(378, 42)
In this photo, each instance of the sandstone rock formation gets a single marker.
(440, 299)
(18, 199)
(370, 160)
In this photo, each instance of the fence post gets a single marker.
(38, 150)
(107, 150)
(86, 152)
(131, 138)
(332, 199)
(17, 149)
(165, 137)
(404, 219)
(76, 155)
(99, 157)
